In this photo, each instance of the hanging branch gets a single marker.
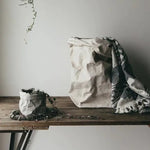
(34, 12)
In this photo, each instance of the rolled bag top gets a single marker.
(99, 45)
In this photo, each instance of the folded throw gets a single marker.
(128, 93)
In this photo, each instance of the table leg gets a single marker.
(27, 139)
(12, 141)
(22, 139)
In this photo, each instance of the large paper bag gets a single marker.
(90, 72)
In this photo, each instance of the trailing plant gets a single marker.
(34, 13)
(33, 106)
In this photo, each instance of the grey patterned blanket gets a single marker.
(128, 93)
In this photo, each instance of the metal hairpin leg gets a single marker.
(23, 142)
(22, 139)
(12, 141)
(27, 139)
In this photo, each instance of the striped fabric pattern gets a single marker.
(128, 93)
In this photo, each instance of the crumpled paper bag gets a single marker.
(90, 72)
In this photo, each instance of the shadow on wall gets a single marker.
(139, 65)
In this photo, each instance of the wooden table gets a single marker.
(101, 116)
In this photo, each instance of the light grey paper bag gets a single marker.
(90, 72)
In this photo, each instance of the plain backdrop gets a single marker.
(44, 61)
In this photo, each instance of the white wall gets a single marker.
(44, 62)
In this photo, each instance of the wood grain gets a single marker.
(104, 116)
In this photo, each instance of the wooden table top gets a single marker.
(101, 116)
